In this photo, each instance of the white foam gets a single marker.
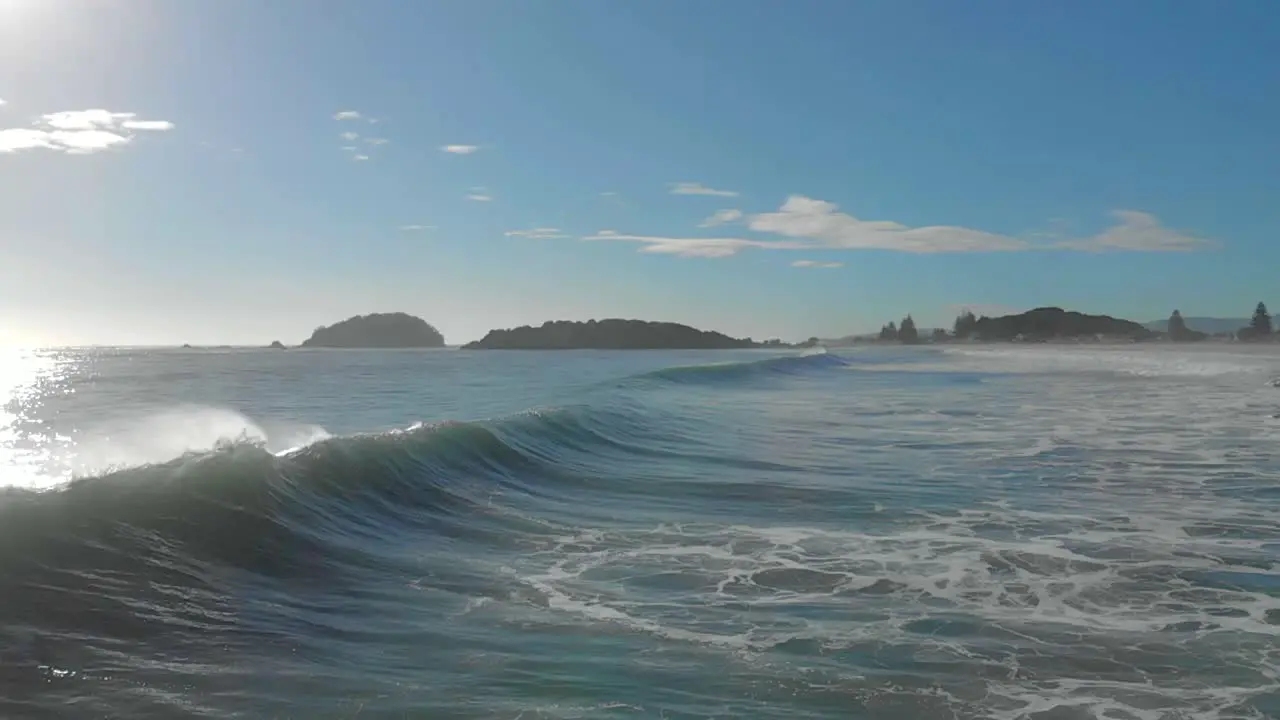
(1053, 584)
(133, 441)
(1147, 360)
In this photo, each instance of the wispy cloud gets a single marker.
(417, 228)
(2, 102)
(693, 188)
(79, 132)
(460, 149)
(350, 136)
(377, 141)
(721, 217)
(609, 193)
(543, 233)
(479, 194)
(694, 247)
(816, 264)
(818, 221)
(359, 158)
(1137, 231)
(817, 225)
(348, 115)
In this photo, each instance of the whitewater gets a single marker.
(951, 532)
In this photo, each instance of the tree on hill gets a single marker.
(889, 332)
(939, 335)
(1179, 332)
(907, 331)
(965, 324)
(1261, 323)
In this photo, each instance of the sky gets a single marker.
(239, 171)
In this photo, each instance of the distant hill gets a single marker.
(378, 330)
(611, 334)
(1051, 322)
(1212, 326)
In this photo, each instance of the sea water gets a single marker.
(1049, 533)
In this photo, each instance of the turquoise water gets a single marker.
(976, 532)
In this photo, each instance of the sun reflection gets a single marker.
(24, 375)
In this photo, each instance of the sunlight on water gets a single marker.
(25, 377)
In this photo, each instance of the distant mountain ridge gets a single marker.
(1210, 325)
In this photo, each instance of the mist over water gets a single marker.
(1041, 533)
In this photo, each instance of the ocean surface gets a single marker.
(1006, 532)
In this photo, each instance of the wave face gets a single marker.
(976, 532)
(745, 370)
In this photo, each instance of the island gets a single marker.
(1049, 323)
(276, 345)
(377, 330)
(611, 334)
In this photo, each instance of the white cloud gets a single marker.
(1137, 232)
(721, 217)
(348, 115)
(360, 158)
(78, 132)
(350, 136)
(694, 247)
(460, 149)
(84, 120)
(416, 228)
(23, 139)
(479, 197)
(147, 125)
(693, 188)
(86, 141)
(349, 148)
(802, 217)
(2, 102)
(377, 141)
(544, 233)
(816, 264)
(15, 139)
(609, 193)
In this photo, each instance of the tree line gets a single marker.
(906, 331)
(1051, 322)
(1259, 329)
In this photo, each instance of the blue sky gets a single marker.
(761, 168)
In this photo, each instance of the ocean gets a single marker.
(928, 533)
